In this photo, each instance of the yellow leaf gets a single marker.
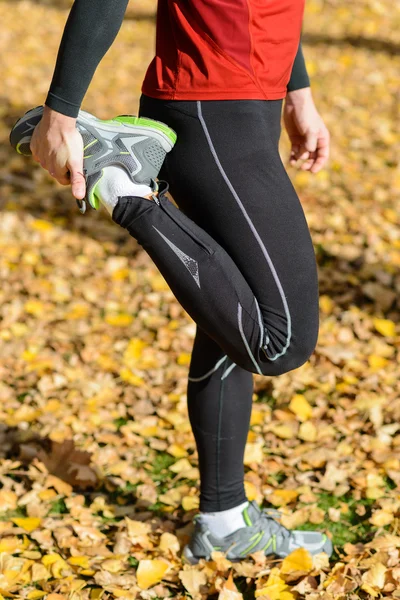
(308, 432)
(282, 497)
(8, 500)
(150, 572)
(59, 569)
(282, 431)
(251, 490)
(184, 359)
(78, 311)
(298, 560)
(230, 591)
(120, 274)
(34, 307)
(129, 377)
(50, 559)
(385, 327)
(11, 544)
(25, 413)
(193, 580)
(134, 352)
(300, 407)
(41, 225)
(35, 594)
(169, 543)
(253, 453)
(177, 450)
(59, 485)
(380, 518)
(190, 502)
(46, 495)
(121, 320)
(377, 362)
(275, 588)
(180, 466)
(257, 417)
(138, 533)
(370, 590)
(112, 565)
(79, 561)
(39, 572)
(28, 523)
(158, 283)
(375, 577)
(171, 498)
(326, 304)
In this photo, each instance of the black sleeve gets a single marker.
(299, 77)
(91, 28)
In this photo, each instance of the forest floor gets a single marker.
(98, 469)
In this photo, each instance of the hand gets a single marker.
(306, 130)
(58, 146)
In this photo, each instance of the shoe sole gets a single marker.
(21, 133)
(189, 557)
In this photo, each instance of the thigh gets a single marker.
(226, 174)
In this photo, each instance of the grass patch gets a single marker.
(161, 463)
(120, 422)
(58, 507)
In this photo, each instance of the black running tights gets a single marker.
(239, 258)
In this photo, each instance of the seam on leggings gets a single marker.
(218, 448)
(254, 231)
(245, 342)
(262, 328)
(210, 372)
(228, 371)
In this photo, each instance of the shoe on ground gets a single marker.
(262, 532)
(137, 144)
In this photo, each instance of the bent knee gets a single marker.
(296, 355)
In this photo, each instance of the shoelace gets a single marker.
(270, 515)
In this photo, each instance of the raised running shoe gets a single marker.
(137, 144)
(262, 532)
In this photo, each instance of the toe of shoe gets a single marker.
(313, 541)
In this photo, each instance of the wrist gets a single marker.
(53, 118)
(299, 97)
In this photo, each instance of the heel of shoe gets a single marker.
(189, 557)
(168, 134)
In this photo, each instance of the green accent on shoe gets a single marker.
(217, 547)
(140, 121)
(267, 545)
(246, 517)
(89, 144)
(274, 543)
(18, 149)
(88, 156)
(258, 537)
(93, 198)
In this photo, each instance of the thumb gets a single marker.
(311, 139)
(77, 179)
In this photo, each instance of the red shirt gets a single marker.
(224, 49)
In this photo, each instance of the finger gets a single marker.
(307, 165)
(322, 153)
(60, 174)
(311, 140)
(63, 179)
(77, 180)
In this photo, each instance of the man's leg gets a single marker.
(219, 403)
(239, 258)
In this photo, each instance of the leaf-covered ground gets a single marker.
(98, 468)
